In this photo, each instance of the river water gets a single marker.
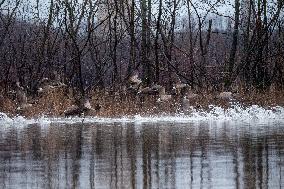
(198, 154)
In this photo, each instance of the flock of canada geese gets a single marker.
(83, 105)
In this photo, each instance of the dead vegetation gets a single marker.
(108, 103)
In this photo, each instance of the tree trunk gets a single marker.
(158, 27)
(132, 59)
(144, 56)
(233, 51)
(192, 69)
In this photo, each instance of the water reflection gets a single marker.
(205, 155)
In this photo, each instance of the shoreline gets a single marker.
(237, 114)
(55, 102)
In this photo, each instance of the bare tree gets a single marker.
(233, 51)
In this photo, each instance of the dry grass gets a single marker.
(56, 101)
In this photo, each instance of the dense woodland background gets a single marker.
(215, 45)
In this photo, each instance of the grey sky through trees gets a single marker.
(224, 7)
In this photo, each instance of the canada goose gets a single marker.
(83, 107)
(149, 91)
(163, 96)
(179, 86)
(185, 104)
(135, 83)
(45, 89)
(56, 81)
(74, 110)
(21, 97)
(145, 90)
(180, 89)
(44, 81)
(59, 84)
(24, 106)
(134, 80)
(45, 86)
(225, 96)
(86, 104)
(156, 87)
(191, 95)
